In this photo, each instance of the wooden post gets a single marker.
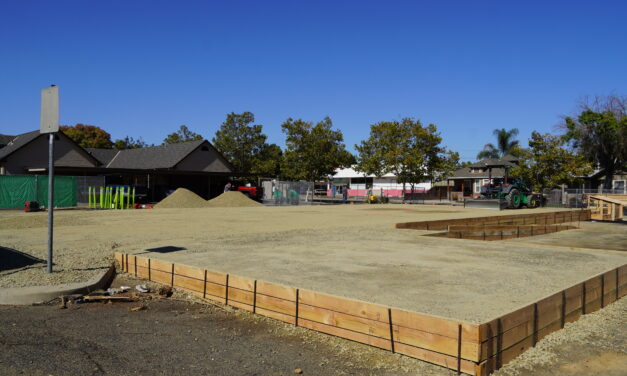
(172, 279)
(204, 286)
(617, 284)
(226, 295)
(255, 297)
(149, 270)
(459, 349)
(563, 313)
(297, 297)
(499, 343)
(602, 290)
(534, 334)
(391, 330)
(126, 263)
(135, 266)
(583, 298)
(122, 263)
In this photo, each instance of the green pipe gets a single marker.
(89, 197)
(133, 198)
(122, 198)
(101, 197)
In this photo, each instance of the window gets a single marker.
(619, 186)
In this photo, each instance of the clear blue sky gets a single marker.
(143, 68)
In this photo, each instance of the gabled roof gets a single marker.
(465, 173)
(17, 142)
(5, 139)
(103, 155)
(508, 160)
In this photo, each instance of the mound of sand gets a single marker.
(232, 199)
(182, 198)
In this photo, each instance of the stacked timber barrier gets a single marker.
(500, 232)
(550, 218)
(474, 349)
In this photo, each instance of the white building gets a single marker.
(357, 184)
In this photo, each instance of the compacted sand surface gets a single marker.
(347, 250)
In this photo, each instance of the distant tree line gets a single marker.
(413, 152)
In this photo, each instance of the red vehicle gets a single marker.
(252, 192)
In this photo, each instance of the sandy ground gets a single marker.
(99, 339)
(349, 250)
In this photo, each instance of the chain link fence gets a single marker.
(575, 198)
(287, 193)
(82, 187)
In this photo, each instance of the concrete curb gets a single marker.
(38, 294)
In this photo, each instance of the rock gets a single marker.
(298, 371)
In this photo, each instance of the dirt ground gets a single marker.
(348, 250)
(98, 339)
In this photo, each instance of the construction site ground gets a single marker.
(112, 339)
(347, 250)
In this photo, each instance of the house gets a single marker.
(594, 182)
(467, 181)
(357, 184)
(154, 171)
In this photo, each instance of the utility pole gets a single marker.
(49, 124)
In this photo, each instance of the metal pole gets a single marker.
(50, 197)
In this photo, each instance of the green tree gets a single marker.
(505, 144)
(88, 136)
(130, 143)
(547, 163)
(313, 152)
(244, 145)
(406, 148)
(182, 135)
(599, 134)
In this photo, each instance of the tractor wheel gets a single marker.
(513, 199)
(532, 201)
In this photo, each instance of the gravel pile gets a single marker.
(232, 199)
(182, 198)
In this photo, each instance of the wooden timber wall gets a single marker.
(501, 232)
(474, 349)
(545, 218)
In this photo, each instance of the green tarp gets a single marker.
(15, 190)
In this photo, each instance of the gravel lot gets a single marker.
(348, 250)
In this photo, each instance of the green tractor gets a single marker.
(505, 193)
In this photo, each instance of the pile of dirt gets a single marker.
(232, 199)
(182, 198)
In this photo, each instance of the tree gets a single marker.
(182, 135)
(505, 144)
(599, 134)
(244, 145)
(130, 143)
(547, 164)
(313, 152)
(88, 136)
(407, 149)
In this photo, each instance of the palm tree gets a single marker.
(506, 144)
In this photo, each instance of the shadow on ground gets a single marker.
(166, 249)
(14, 259)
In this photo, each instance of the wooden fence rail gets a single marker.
(474, 349)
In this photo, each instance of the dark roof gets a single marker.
(17, 142)
(103, 155)
(508, 160)
(153, 157)
(5, 139)
(464, 173)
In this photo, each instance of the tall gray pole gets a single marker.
(50, 196)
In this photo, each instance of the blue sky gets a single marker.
(143, 68)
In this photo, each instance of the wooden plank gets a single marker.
(435, 325)
(189, 271)
(240, 296)
(160, 276)
(276, 315)
(344, 321)
(278, 305)
(348, 334)
(142, 272)
(552, 327)
(344, 305)
(435, 342)
(507, 339)
(241, 283)
(277, 291)
(549, 310)
(490, 365)
(118, 258)
(214, 290)
(187, 283)
(164, 266)
(573, 298)
(443, 360)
